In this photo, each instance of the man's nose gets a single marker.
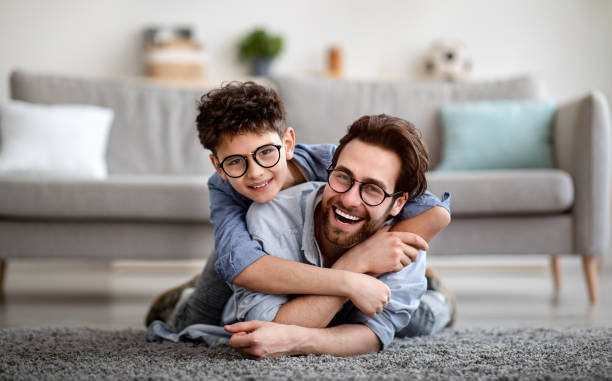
(254, 170)
(352, 198)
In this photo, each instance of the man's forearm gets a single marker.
(261, 339)
(342, 340)
(313, 311)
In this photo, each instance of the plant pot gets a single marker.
(260, 66)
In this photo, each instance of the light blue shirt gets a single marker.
(285, 227)
(235, 248)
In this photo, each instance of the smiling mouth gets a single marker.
(346, 218)
(259, 186)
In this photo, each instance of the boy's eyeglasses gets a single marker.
(371, 194)
(266, 156)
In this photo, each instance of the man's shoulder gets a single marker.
(286, 210)
(287, 200)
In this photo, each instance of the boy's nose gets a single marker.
(254, 170)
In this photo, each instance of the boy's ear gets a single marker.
(289, 142)
(398, 204)
(215, 164)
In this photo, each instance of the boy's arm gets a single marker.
(242, 261)
(258, 339)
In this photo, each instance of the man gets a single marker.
(377, 167)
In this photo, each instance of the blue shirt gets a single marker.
(235, 248)
(285, 227)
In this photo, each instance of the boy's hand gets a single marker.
(383, 252)
(368, 294)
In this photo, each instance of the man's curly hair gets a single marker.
(237, 108)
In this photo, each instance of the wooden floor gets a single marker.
(490, 292)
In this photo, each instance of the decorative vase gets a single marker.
(260, 66)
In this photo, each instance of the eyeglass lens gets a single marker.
(265, 156)
(341, 182)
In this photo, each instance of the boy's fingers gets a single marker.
(411, 254)
(413, 240)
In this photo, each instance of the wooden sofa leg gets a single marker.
(589, 265)
(2, 272)
(555, 264)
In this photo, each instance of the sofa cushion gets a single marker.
(68, 140)
(497, 135)
(153, 131)
(165, 198)
(505, 192)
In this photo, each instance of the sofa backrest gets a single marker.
(154, 127)
(320, 110)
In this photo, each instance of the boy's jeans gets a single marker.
(205, 306)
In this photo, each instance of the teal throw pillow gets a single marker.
(497, 135)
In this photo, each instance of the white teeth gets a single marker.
(260, 186)
(347, 216)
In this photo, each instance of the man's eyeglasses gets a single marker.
(371, 194)
(266, 156)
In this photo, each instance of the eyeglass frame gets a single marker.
(246, 159)
(353, 181)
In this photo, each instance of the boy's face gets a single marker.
(258, 183)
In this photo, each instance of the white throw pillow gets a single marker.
(56, 140)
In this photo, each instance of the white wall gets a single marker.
(567, 43)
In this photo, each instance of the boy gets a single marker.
(254, 153)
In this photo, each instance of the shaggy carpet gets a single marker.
(506, 354)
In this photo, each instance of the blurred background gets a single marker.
(566, 43)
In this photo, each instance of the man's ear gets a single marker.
(215, 164)
(398, 204)
(289, 142)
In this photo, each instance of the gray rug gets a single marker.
(506, 354)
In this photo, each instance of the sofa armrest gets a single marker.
(582, 148)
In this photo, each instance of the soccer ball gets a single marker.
(448, 60)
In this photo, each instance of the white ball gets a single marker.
(448, 61)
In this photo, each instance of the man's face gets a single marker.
(347, 220)
(258, 183)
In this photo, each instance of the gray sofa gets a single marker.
(154, 203)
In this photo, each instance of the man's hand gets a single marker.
(383, 252)
(261, 339)
(368, 294)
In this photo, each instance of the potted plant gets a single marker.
(259, 48)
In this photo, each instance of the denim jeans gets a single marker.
(205, 305)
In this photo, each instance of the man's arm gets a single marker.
(258, 339)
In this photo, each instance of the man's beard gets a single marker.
(339, 237)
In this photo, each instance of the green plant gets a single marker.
(259, 43)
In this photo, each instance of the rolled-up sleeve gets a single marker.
(235, 248)
(423, 203)
(407, 288)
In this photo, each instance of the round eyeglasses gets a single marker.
(266, 156)
(371, 194)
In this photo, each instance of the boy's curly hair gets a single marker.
(237, 108)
